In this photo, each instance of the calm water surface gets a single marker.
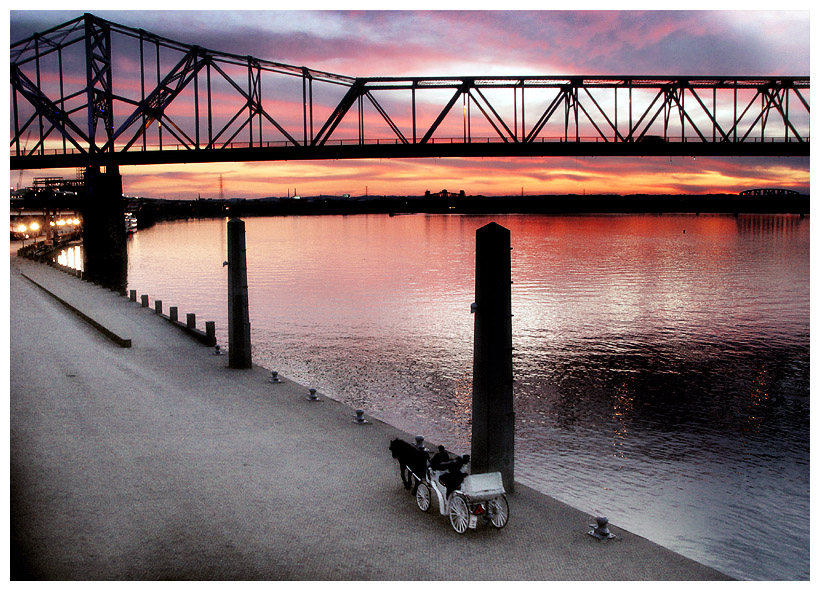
(661, 362)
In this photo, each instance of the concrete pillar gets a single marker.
(493, 416)
(105, 254)
(239, 325)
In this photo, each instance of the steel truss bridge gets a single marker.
(91, 92)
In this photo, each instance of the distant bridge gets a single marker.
(91, 92)
(765, 192)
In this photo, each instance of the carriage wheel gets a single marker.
(500, 511)
(423, 496)
(459, 514)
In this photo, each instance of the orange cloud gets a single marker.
(498, 176)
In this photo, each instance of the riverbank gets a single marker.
(158, 462)
(151, 211)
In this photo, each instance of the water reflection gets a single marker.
(661, 362)
(769, 226)
(621, 409)
(759, 396)
(71, 257)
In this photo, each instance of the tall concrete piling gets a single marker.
(239, 325)
(493, 416)
(104, 240)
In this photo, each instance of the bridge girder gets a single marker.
(443, 149)
(209, 106)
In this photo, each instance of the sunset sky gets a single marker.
(457, 43)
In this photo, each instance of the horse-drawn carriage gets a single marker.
(467, 499)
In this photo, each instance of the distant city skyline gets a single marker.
(475, 43)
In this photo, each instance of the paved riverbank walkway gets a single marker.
(158, 462)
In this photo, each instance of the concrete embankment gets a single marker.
(158, 462)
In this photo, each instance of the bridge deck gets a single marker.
(439, 149)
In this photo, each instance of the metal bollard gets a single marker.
(312, 396)
(600, 530)
(274, 378)
(360, 420)
(217, 350)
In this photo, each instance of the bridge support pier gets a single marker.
(493, 416)
(105, 255)
(239, 326)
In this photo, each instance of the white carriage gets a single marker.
(480, 499)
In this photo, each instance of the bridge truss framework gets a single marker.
(94, 92)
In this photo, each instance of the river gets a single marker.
(661, 362)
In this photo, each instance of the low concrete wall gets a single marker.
(44, 253)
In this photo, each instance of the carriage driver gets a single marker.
(449, 472)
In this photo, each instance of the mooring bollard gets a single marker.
(312, 396)
(274, 378)
(360, 420)
(420, 442)
(144, 300)
(217, 350)
(600, 529)
(158, 306)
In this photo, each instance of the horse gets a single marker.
(411, 458)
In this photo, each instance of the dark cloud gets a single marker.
(25, 23)
(395, 42)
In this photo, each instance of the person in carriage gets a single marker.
(449, 471)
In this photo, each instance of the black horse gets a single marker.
(410, 458)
